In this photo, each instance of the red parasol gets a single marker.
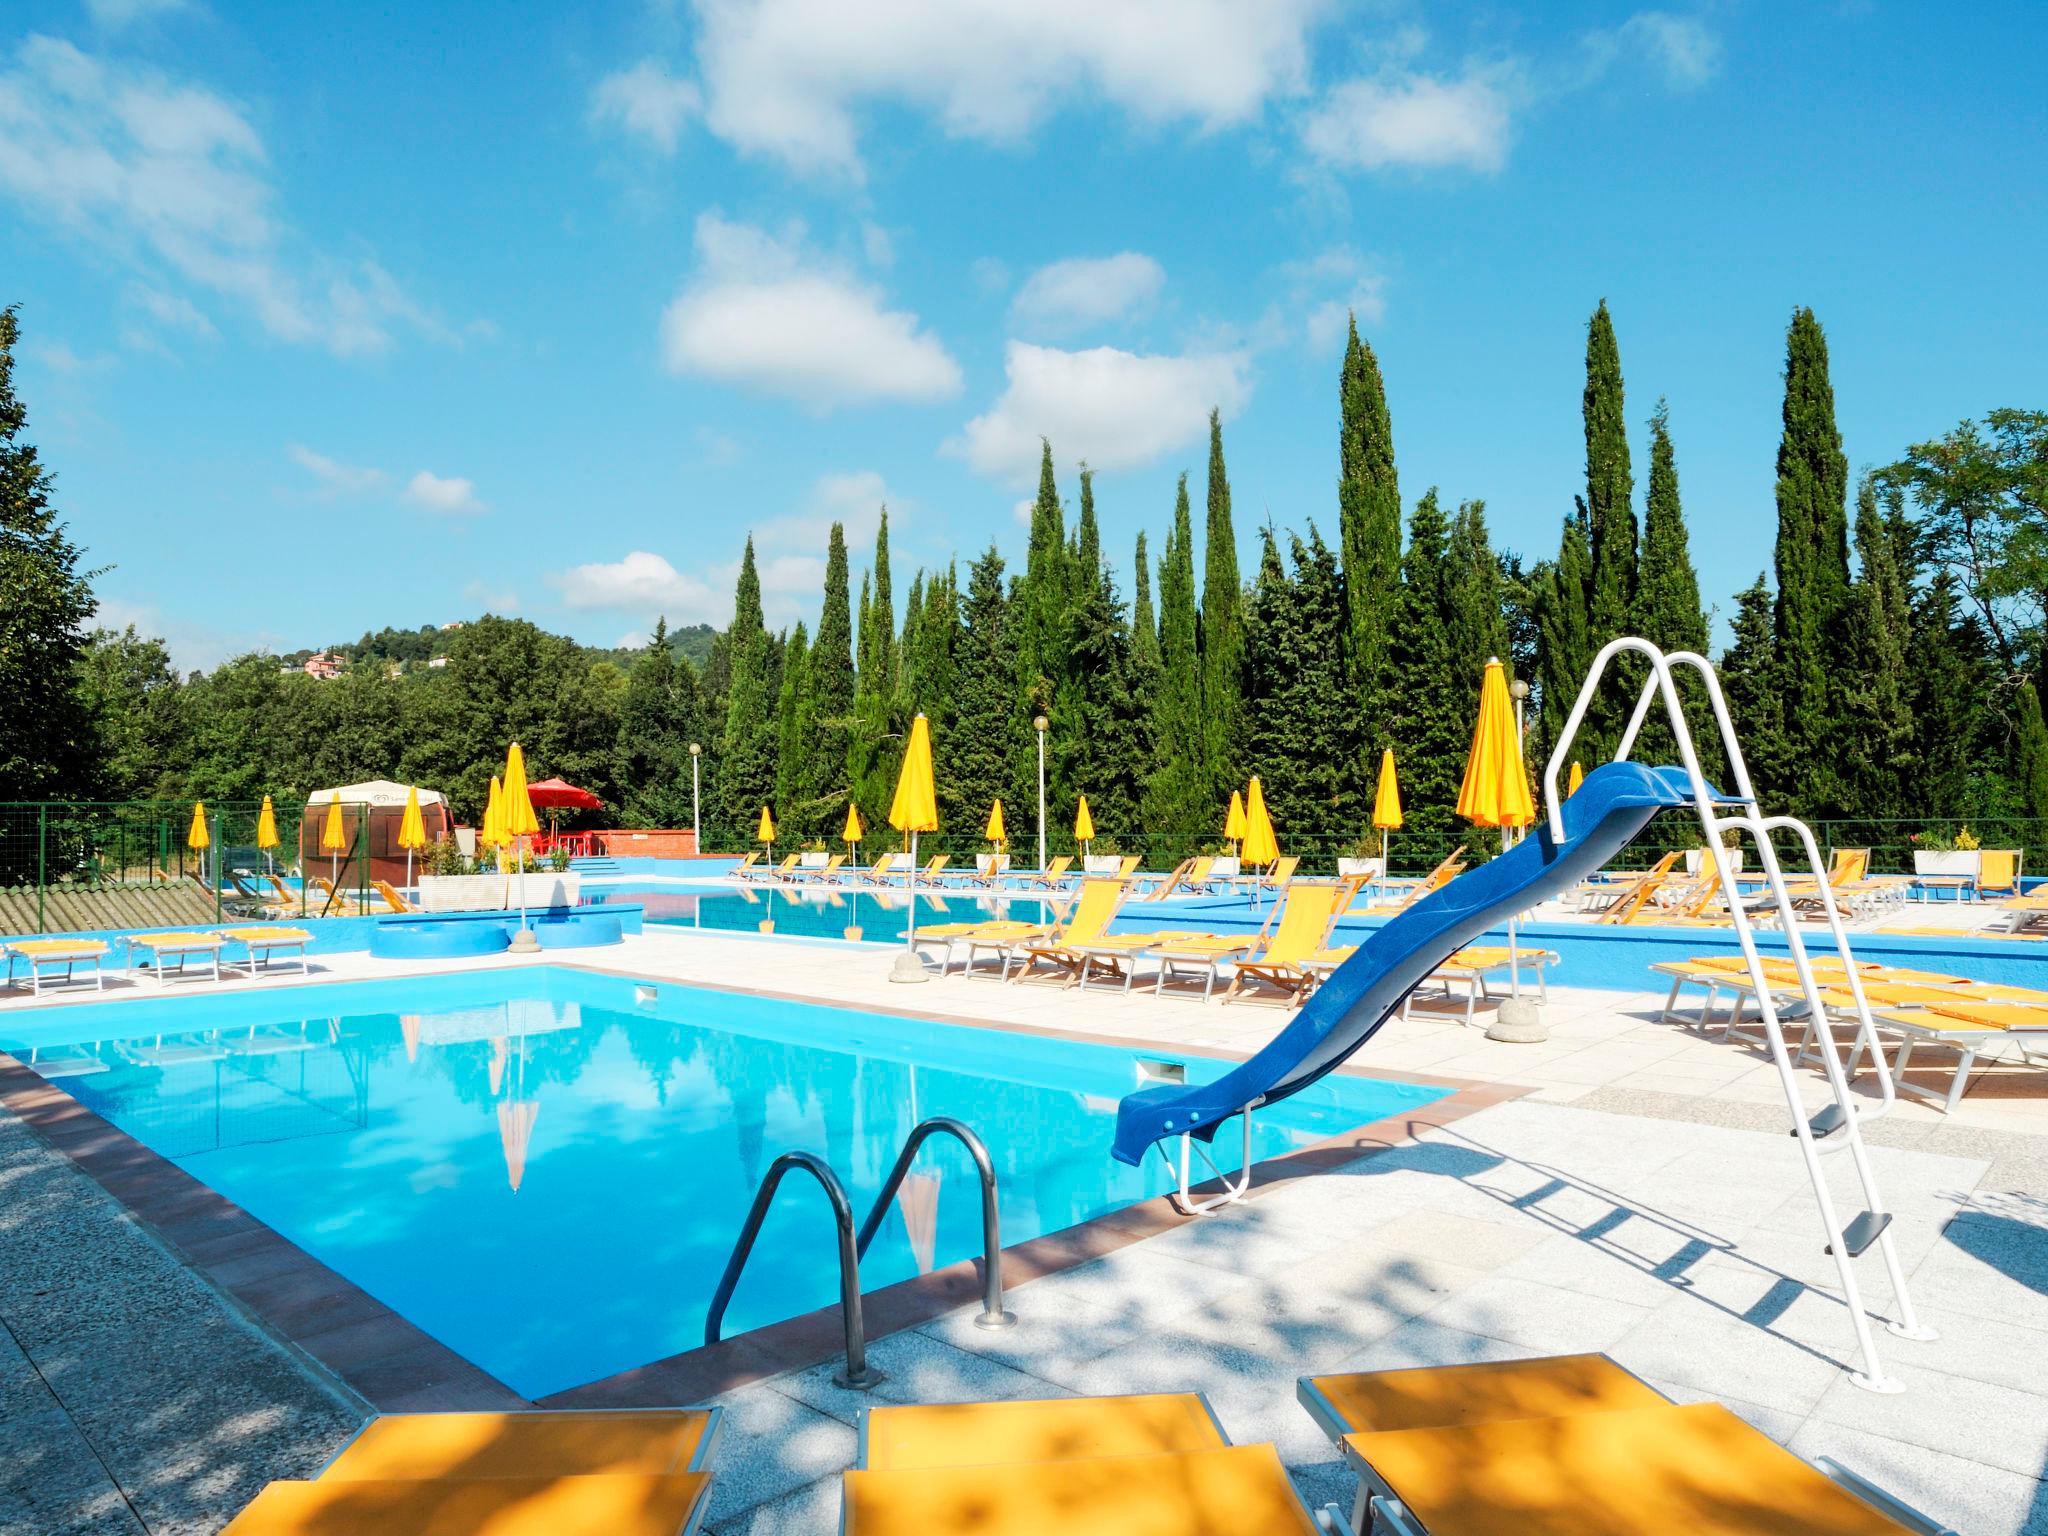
(560, 795)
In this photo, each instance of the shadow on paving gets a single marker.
(136, 1392)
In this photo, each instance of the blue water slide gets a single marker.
(1610, 808)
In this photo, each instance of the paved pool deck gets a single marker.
(1639, 1196)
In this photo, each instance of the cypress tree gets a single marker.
(1479, 631)
(1144, 626)
(1750, 680)
(976, 754)
(1565, 646)
(1222, 632)
(2030, 748)
(1087, 540)
(1812, 557)
(878, 622)
(1177, 801)
(1610, 514)
(1875, 704)
(798, 815)
(1948, 663)
(1369, 508)
(1667, 606)
(46, 747)
(1432, 729)
(1301, 733)
(1103, 720)
(832, 682)
(746, 757)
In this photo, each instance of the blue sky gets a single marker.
(337, 318)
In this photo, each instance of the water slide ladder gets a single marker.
(858, 1374)
(1835, 1128)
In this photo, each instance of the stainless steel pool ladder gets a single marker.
(858, 1374)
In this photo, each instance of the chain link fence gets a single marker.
(74, 866)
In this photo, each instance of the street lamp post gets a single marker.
(1038, 724)
(696, 815)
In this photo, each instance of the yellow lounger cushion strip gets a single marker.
(1697, 1469)
(1058, 1429)
(1996, 1015)
(266, 935)
(1930, 1021)
(1233, 1491)
(1430, 1397)
(175, 940)
(494, 1445)
(57, 948)
(621, 1505)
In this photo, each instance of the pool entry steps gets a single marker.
(1577, 837)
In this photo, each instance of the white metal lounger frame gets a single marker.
(1841, 1116)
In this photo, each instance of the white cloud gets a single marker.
(1087, 290)
(449, 494)
(1327, 289)
(59, 358)
(112, 15)
(646, 101)
(761, 312)
(490, 599)
(1688, 51)
(643, 583)
(787, 78)
(167, 177)
(170, 311)
(1115, 409)
(336, 478)
(1414, 120)
(192, 647)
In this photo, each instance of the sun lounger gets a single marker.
(157, 951)
(888, 867)
(37, 954)
(1274, 880)
(1065, 949)
(1966, 1027)
(1576, 1445)
(393, 897)
(1998, 872)
(1471, 966)
(934, 870)
(264, 945)
(826, 873)
(747, 868)
(1603, 892)
(626, 1472)
(1076, 1466)
(1452, 865)
(1307, 915)
(989, 869)
(1053, 875)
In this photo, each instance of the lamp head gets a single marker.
(695, 750)
(1039, 723)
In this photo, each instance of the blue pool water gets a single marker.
(815, 912)
(547, 1173)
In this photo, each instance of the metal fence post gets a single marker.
(42, 860)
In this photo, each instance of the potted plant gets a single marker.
(1361, 858)
(1942, 857)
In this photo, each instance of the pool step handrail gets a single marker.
(1841, 1116)
(993, 1315)
(858, 1375)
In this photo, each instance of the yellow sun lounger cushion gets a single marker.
(1052, 1429)
(1432, 1397)
(498, 1445)
(1994, 1015)
(621, 1504)
(58, 949)
(1225, 1491)
(1697, 1469)
(266, 935)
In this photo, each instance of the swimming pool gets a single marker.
(545, 1168)
(815, 912)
